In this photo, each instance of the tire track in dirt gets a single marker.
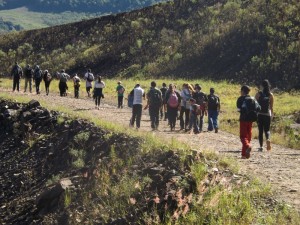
(280, 167)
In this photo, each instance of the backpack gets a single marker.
(200, 99)
(121, 90)
(173, 100)
(48, 77)
(38, 74)
(155, 97)
(63, 78)
(130, 101)
(89, 78)
(17, 71)
(213, 102)
(250, 108)
(264, 102)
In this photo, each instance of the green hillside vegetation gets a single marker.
(95, 6)
(240, 41)
(22, 19)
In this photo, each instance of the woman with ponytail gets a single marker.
(266, 100)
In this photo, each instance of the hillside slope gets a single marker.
(217, 39)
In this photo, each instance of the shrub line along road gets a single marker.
(280, 167)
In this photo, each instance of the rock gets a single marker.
(33, 104)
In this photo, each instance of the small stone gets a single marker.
(293, 190)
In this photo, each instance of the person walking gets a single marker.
(138, 94)
(98, 91)
(47, 79)
(120, 91)
(76, 81)
(213, 106)
(163, 109)
(28, 74)
(194, 110)
(172, 100)
(265, 99)
(89, 77)
(154, 103)
(247, 106)
(201, 99)
(16, 74)
(63, 86)
(186, 95)
(38, 76)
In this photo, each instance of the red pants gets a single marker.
(245, 135)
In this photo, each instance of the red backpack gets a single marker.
(173, 100)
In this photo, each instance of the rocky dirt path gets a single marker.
(280, 167)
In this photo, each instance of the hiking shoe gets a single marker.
(260, 149)
(269, 145)
(216, 130)
(248, 150)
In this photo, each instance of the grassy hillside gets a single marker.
(29, 20)
(219, 39)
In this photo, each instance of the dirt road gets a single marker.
(280, 167)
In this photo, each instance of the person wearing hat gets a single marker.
(47, 79)
(213, 106)
(28, 74)
(201, 99)
(120, 91)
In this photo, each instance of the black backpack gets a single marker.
(250, 108)
(38, 74)
(264, 102)
(17, 71)
(155, 97)
(213, 102)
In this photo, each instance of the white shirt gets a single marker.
(88, 83)
(138, 96)
(99, 85)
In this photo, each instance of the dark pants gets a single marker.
(47, 85)
(120, 101)
(201, 121)
(37, 85)
(245, 135)
(212, 119)
(264, 123)
(63, 88)
(16, 83)
(154, 116)
(28, 81)
(97, 100)
(136, 115)
(76, 91)
(172, 116)
(184, 123)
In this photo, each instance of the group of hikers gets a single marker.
(189, 105)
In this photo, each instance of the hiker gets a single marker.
(89, 77)
(248, 107)
(163, 109)
(194, 111)
(186, 95)
(37, 76)
(63, 86)
(47, 79)
(138, 94)
(120, 91)
(98, 91)
(28, 74)
(16, 74)
(76, 81)
(172, 100)
(266, 100)
(213, 107)
(201, 100)
(154, 103)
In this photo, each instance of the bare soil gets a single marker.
(279, 167)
